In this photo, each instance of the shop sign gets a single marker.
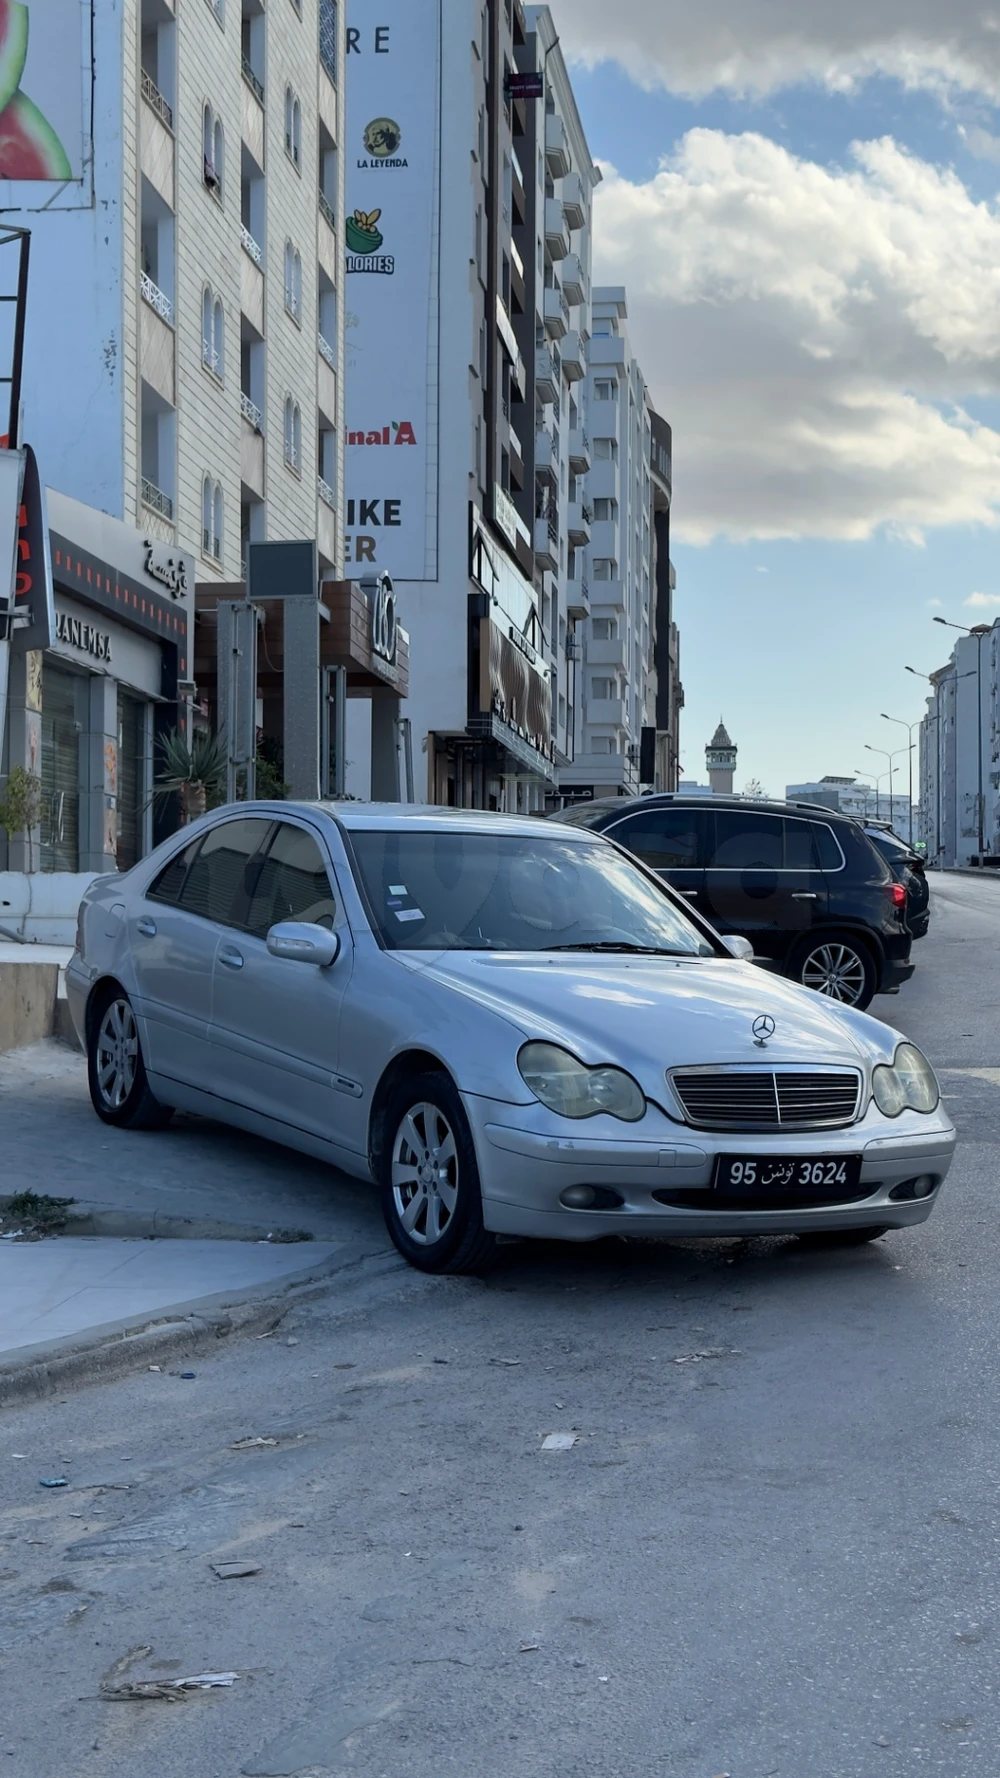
(514, 685)
(384, 629)
(33, 595)
(164, 565)
(75, 632)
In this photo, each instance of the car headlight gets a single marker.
(565, 1084)
(910, 1084)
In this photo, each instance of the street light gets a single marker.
(876, 780)
(884, 751)
(909, 727)
(979, 631)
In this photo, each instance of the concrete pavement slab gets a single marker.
(68, 1289)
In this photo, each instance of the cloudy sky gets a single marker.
(801, 198)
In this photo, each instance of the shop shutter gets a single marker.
(131, 779)
(60, 773)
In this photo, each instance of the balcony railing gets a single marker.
(211, 359)
(251, 412)
(328, 36)
(211, 546)
(253, 81)
(326, 493)
(155, 100)
(156, 499)
(326, 210)
(250, 246)
(326, 351)
(154, 296)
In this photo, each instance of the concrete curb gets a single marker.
(153, 1225)
(181, 1329)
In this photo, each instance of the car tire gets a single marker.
(858, 1237)
(119, 1090)
(842, 962)
(432, 1199)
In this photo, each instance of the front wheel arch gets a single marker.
(408, 1063)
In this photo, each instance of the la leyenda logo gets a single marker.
(398, 432)
(382, 139)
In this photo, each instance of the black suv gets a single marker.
(908, 868)
(805, 885)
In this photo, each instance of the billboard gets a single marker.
(393, 218)
(41, 89)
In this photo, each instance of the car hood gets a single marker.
(649, 1014)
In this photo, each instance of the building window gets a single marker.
(606, 449)
(293, 282)
(603, 744)
(214, 153)
(293, 128)
(602, 688)
(605, 568)
(605, 509)
(293, 435)
(603, 629)
(211, 519)
(605, 389)
(212, 333)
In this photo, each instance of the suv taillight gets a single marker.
(897, 895)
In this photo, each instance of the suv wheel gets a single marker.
(837, 965)
(431, 1196)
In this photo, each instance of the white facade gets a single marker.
(187, 309)
(616, 651)
(960, 753)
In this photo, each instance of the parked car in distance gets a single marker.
(511, 1026)
(908, 868)
(803, 883)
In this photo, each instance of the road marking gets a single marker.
(989, 1074)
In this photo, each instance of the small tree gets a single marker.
(754, 788)
(195, 769)
(20, 805)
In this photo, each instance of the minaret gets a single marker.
(720, 758)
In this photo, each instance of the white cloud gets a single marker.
(757, 46)
(983, 601)
(812, 334)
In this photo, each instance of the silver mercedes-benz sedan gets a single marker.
(510, 1025)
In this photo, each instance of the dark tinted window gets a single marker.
(217, 885)
(748, 839)
(293, 884)
(665, 839)
(830, 855)
(800, 845)
(168, 885)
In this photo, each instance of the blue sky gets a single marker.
(812, 558)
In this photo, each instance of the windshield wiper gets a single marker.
(623, 948)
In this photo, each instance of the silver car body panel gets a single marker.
(295, 1053)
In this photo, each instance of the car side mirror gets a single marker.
(304, 944)
(738, 947)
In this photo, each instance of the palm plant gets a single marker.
(196, 769)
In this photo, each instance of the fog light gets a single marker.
(590, 1197)
(921, 1187)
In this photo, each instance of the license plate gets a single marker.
(750, 1173)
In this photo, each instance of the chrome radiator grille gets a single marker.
(762, 1099)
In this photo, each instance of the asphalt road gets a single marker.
(777, 1560)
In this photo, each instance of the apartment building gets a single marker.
(664, 691)
(959, 754)
(618, 635)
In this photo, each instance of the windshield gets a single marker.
(458, 891)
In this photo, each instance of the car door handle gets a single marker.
(146, 926)
(692, 894)
(231, 958)
(804, 895)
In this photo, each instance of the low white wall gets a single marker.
(41, 907)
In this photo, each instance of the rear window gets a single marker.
(828, 852)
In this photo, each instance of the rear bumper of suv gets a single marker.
(895, 971)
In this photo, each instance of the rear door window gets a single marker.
(748, 839)
(293, 883)
(219, 884)
(665, 839)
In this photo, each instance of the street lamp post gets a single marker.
(876, 780)
(884, 751)
(909, 727)
(979, 631)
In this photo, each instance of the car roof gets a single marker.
(670, 799)
(357, 817)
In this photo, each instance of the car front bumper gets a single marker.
(528, 1158)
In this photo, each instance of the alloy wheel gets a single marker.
(836, 971)
(425, 1173)
(117, 1054)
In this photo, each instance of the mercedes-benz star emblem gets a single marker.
(763, 1029)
